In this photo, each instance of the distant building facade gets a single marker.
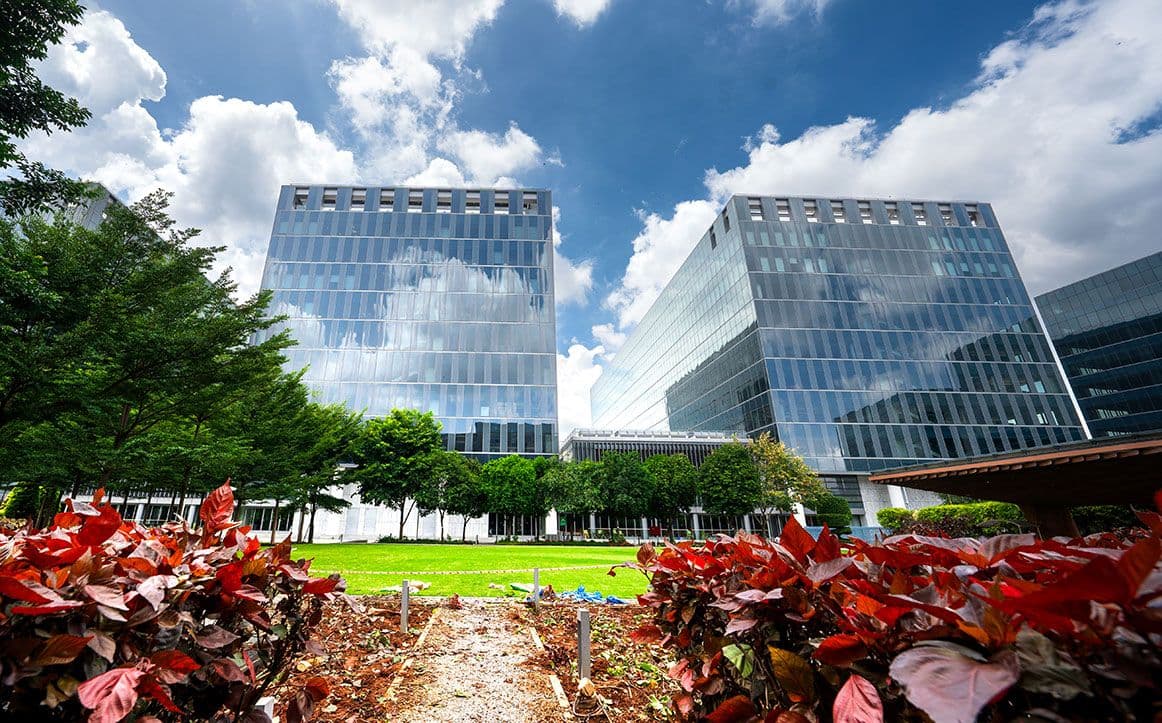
(864, 334)
(435, 299)
(588, 445)
(1108, 333)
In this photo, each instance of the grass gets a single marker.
(364, 567)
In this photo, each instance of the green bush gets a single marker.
(982, 518)
(1103, 518)
(893, 518)
(834, 511)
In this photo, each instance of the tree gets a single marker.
(627, 486)
(393, 456)
(27, 104)
(332, 430)
(513, 488)
(675, 486)
(574, 487)
(786, 478)
(466, 495)
(447, 472)
(832, 510)
(729, 481)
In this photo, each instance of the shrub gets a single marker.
(833, 511)
(1007, 628)
(981, 518)
(893, 518)
(103, 614)
(1103, 518)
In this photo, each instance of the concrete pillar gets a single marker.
(897, 496)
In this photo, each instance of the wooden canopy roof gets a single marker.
(1112, 470)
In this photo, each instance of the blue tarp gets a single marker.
(582, 595)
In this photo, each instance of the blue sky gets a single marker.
(641, 116)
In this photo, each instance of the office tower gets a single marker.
(1108, 333)
(865, 334)
(427, 298)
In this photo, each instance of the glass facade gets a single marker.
(865, 334)
(431, 299)
(1108, 333)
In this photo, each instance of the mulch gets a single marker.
(359, 654)
(630, 677)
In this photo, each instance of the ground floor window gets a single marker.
(260, 518)
(512, 525)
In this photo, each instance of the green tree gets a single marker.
(393, 456)
(331, 431)
(729, 481)
(466, 496)
(832, 510)
(574, 487)
(786, 478)
(513, 488)
(27, 104)
(627, 486)
(448, 473)
(675, 486)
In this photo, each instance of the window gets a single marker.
(725, 221)
(529, 202)
(755, 206)
(811, 209)
(301, 197)
(330, 198)
(472, 202)
(865, 214)
(838, 212)
(920, 213)
(783, 209)
(713, 240)
(500, 203)
(386, 199)
(893, 210)
(946, 214)
(358, 199)
(415, 200)
(974, 217)
(444, 201)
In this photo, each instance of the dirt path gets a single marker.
(473, 666)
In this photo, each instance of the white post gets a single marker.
(404, 593)
(536, 587)
(583, 644)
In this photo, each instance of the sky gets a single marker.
(641, 116)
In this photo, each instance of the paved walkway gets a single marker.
(471, 667)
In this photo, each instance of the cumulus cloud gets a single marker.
(582, 12)
(433, 27)
(610, 338)
(489, 156)
(777, 12)
(577, 370)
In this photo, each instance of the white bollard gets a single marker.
(404, 593)
(583, 644)
(536, 587)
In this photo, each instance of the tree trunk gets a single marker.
(402, 517)
(441, 513)
(311, 528)
(302, 517)
(185, 485)
(464, 530)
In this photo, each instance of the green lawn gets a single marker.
(364, 566)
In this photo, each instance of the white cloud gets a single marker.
(610, 338)
(489, 156)
(1049, 132)
(582, 12)
(572, 281)
(777, 12)
(432, 27)
(658, 252)
(576, 373)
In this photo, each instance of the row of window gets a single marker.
(504, 438)
(466, 336)
(342, 223)
(801, 314)
(1119, 380)
(1140, 351)
(420, 305)
(905, 376)
(386, 250)
(446, 401)
(448, 277)
(840, 211)
(978, 240)
(891, 289)
(892, 346)
(366, 364)
(411, 200)
(1105, 336)
(880, 264)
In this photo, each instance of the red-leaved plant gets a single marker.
(997, 629)
(104, 618)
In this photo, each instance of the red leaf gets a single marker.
(218, 508)
(318, 688)
(858, 702)
(646, 634)
(227, 670)
(97, 529)
(740, 625)
(52, 608)
(250, 668)
(952, 687)
(823, 571)
(230, 576)
(826, 545)
(1153, 520)
(321, 585)
(215, 637)
(150, 688)
(14, 588)
(59, 650)
(107, 596)
(111, 695)
(1138, 562)
(738, 708)
(796, 540)
(174, 660)
(840, 650)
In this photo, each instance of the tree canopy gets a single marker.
(729, 481)
(627, 486)
(393, 455)
(675, 485)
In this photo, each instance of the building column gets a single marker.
(697, 523)
(746, 523)
(897, 496)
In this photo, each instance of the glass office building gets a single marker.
(426, 298)
(1108, 333)
(865, 334)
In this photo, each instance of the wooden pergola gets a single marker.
(1046, 481)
